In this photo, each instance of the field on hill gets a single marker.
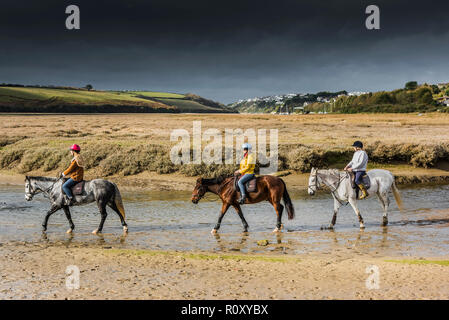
(29, 99)
(135, 148)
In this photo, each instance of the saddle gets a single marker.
(251, 185)
(366, 181)
(77, 189)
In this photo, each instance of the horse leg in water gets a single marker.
(69, 217)
(224, 208)
(102, 207)
(337, 206)
(353, 203)
(279, 208)
(385, 201)
(113, 206)
(52, 210)
(240, 213)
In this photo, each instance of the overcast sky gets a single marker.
(225, 50)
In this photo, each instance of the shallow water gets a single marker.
(169, 221)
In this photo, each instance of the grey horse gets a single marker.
(382, 181)
(104, 192)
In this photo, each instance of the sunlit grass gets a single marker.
(438, 262)
(202, 256)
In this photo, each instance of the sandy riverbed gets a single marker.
(37, 271)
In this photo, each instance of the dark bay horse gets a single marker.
(104, 192)
(269, 188)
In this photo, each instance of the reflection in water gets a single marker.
(169, 221)
(238, 244)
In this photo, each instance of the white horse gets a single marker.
(382, 181)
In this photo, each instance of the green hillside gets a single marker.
(413, 97)
(77, 100)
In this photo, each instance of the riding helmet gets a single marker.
(246, 146)
(75, 147)
(358, 144)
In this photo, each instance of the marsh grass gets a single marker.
(143, 141)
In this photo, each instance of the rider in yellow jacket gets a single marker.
(247, 166)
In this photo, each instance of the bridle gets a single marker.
(33, 191)
(318, 186)
(197, 197)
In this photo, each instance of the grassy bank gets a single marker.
(128, 145)
(75, 100)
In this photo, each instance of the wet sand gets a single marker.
(37, 271)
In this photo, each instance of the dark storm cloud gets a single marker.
(225, 50)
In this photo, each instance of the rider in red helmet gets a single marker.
(75, 171)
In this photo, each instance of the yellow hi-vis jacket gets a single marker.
(247, 164)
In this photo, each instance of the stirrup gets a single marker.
(363, 195)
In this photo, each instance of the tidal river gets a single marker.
(169, 221)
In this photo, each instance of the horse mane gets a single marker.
(331, 171)
(213, 181)
(45, 179)
(334, 171)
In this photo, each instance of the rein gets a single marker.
(335, 189)
(35, 191)
(220, 187)
(338, 185)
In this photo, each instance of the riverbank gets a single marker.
(37, 271)
(133, 150)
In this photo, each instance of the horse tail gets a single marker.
(397, 196)
(288, 202)
(118, 202)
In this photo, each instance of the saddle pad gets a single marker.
(365, 178)
(251, 185)
(78, 188)
(366, 181)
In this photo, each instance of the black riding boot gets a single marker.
(242, 200)
(68, 201)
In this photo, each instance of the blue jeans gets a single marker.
(244, 179)
(358, 177)
(67, 187)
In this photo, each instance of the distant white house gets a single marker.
(357, 93)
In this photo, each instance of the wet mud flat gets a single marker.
(170, 253)
(37, 271)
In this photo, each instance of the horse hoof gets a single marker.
(69, 231)
(214, 231)
(362, 226)
(96, 231)
(276, 230)
(125, 229)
